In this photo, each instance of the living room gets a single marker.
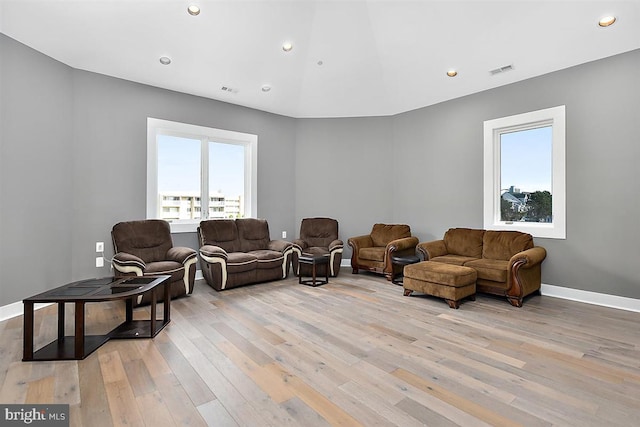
(73, 159)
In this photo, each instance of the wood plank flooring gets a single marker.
(354, 352)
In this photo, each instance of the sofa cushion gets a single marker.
(238, 262)
(464, 241)
(149, 240)
(382, 234)
(268, 259)
(453, 259)
(502, 245)
(372, 254)
(253, 234)
(220, 232)
(171, 268)
(319, 231)
(490, 269)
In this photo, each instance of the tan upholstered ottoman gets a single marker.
(451, 282)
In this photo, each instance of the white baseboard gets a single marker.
(595, 298)
(16, 309)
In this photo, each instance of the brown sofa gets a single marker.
(236, 252)
(507, 262)
(145, 248)
(318, 236)
(372, 252)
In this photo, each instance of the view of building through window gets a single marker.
(526, 175)
(180, 170)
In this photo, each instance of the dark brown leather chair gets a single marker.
(372, 252)
(318, 236)
(145, 248)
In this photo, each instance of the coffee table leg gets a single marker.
(167, 303)
(128, 310)
(313, 271)
(79, 328)
(61, 318)
(154, 300)
(27, 331)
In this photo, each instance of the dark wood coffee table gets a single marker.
(79, 345)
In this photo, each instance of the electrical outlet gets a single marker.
(284, 234)
(99, 261)
(99, 246)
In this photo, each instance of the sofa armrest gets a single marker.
(208, 252)
(299, 245)
(360, 242)
(279, 245)
(524, 274)
(181, 254)
(399, 245)
(404, 246)
(529, 258)
(128, 263)
(336, 245)
(428, 250)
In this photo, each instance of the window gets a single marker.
(524, 173)
(195, 170)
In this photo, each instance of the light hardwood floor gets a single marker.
(352, 352)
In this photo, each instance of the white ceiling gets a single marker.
(378, 57)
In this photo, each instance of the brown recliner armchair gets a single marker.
(145, 248)
(318, 236)
(372, 252)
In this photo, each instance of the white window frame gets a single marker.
(554, 117)
(156, 127)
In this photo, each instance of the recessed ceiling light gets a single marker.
(452, 73)
(165, 60)
(287, 46)
(266, 88)
(194, 10)
(606, 21)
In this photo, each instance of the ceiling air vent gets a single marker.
(503, 69)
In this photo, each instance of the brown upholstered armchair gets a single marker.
(145, 248)
(372, 252)
(318, 236)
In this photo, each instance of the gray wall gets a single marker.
(110, 145)
(36, 185)
(342, 171)
(441, 149)
(432, 178)
(73, 163)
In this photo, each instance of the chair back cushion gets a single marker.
(318, 232)
(253, 234)
(382, 234)
(502, 245)
(148, 239)
(220, 232)
(464, 241)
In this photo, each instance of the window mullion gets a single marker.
(204, 174)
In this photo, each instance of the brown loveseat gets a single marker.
(373, 251)
(145, 248)
(507, 262)
(235, 252)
